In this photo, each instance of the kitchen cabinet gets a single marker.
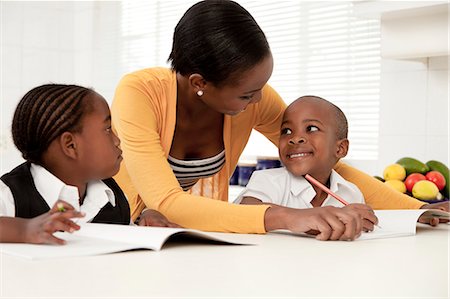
(410, 29)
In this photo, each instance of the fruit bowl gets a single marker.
(435, 200)
(428, 182)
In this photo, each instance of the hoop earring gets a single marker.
(200, 93)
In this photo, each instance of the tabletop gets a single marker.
(279, 266)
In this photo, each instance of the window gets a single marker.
(320, 48)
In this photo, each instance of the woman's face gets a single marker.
(233, 99)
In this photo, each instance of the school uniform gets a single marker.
(30, 190)
(279, 186)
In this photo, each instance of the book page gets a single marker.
(95, 239)
(139, 236)
(392, 223)
(149, 236)
(76, 246)
(397, 223)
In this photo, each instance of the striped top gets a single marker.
(188, 172)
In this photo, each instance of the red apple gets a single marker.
(412, 179)
(437, 178)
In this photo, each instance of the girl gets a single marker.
(64, 134)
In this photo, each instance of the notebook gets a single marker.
(399, 223)
(391, 223)
(96, 239)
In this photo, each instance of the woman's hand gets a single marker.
(41, 228)
(154, 218)
(327, 223)
(366, 213)
(444, 206)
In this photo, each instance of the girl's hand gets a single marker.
(444, 206)
(154, 218)
(327, 223)
(366, 213)
(41, 228)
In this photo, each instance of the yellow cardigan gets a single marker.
(144, 117)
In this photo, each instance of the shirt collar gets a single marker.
(337, 181)
(52, 188)
(301, 185)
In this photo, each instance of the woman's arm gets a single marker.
(376, 194)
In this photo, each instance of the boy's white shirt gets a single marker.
(278, 186)
(98, 194)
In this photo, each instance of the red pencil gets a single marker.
(324, 188)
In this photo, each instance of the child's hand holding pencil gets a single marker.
(367, 214)
(41, 228)
(62, 206)
(369, 220)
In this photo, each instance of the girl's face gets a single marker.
(232, 100)
(97, 146)
(308, 141)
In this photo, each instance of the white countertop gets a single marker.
(279, 266)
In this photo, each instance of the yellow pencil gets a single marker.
(60, 207)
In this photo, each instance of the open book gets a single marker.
(392, 223)
(398, 223)
(95, 239)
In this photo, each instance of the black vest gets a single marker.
(29, 203)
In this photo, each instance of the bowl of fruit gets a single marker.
(428, 182)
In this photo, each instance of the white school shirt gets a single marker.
(98, 194)
(278, 186)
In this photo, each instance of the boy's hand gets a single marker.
(154, 218)
(327, 223)
(41, 228)
(444, 206)
(366, 213)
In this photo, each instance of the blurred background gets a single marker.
(385, 63)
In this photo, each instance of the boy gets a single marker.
(313, 138)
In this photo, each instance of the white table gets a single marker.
(279, 266)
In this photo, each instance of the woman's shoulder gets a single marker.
(270, 97)
(152, 76)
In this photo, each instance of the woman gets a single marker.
(189, 124)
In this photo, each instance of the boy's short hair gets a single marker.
(341, 119)
(44, 113)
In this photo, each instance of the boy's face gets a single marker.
(97, 145)
(308, 141)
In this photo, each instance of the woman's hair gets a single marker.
(217, 39)
(44, 113)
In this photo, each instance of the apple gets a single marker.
(412, 179)
(437, 178)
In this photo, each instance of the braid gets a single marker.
(43, 114)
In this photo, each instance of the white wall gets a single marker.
(414, 113)
(53, 42)
(414, 118)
